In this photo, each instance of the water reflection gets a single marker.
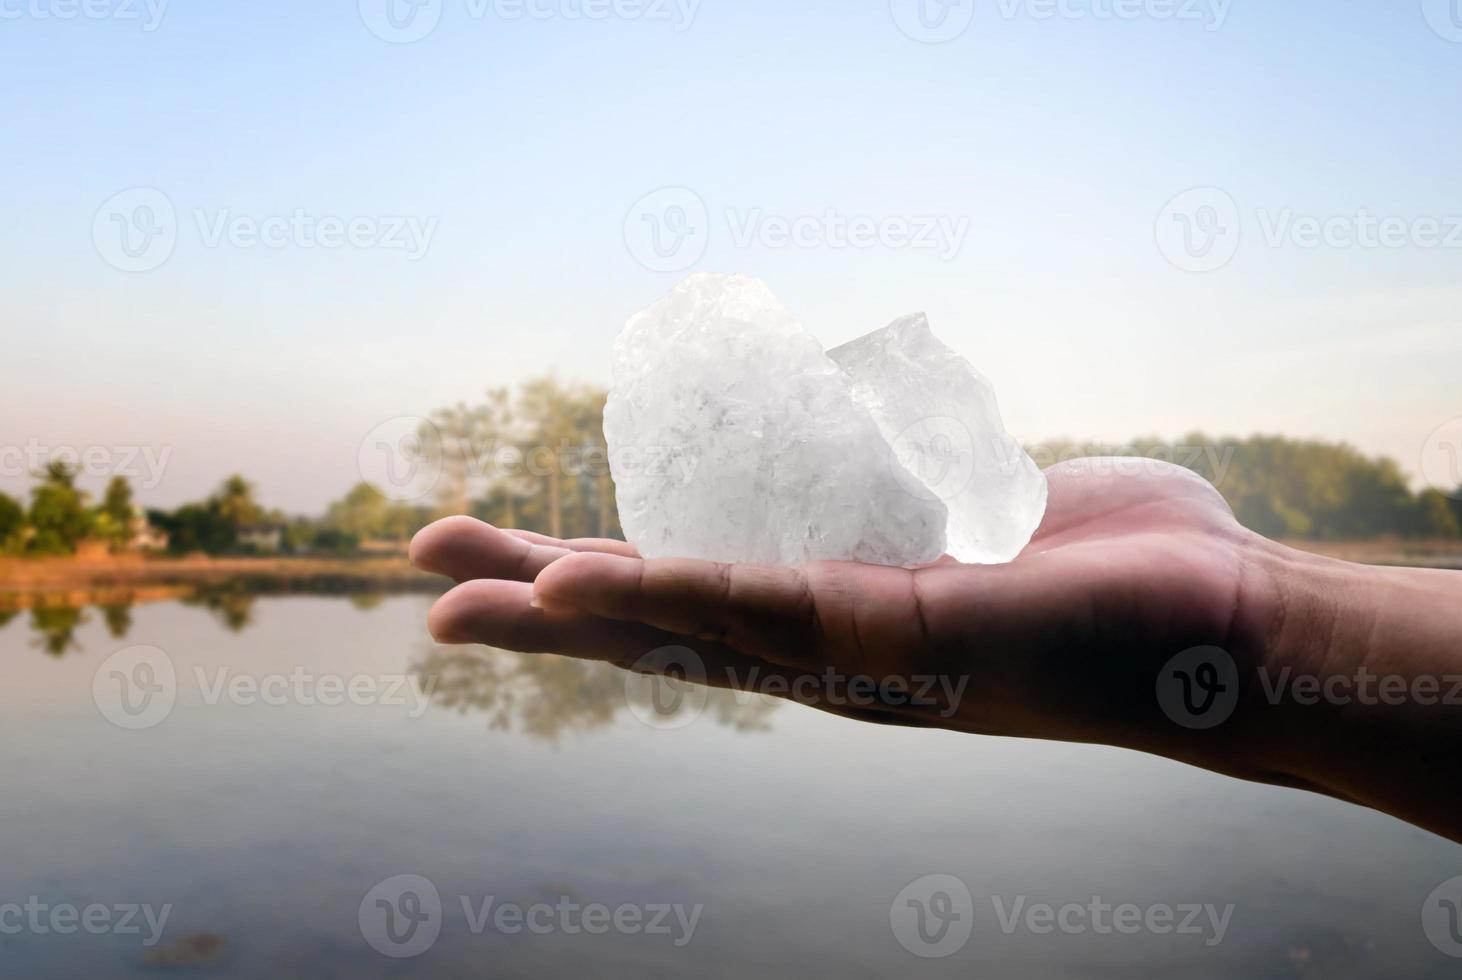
(118, 617)
(548, 697)
(55, 628)
(544, 697)
(232, 605)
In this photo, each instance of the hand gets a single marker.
(1135, 562)
(1065, 642)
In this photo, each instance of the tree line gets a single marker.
(534, 457)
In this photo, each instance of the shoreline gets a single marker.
(28, 582)
(18, 575)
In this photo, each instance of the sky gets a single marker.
(241, 237)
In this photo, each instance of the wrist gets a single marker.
(1349, 687)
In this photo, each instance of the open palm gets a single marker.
(1135, 562)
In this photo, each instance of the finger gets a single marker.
(767, 612)
(463, 548)
(609, 546)
(499, 614)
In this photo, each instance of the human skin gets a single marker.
(1130, 567)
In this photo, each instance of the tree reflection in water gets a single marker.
(55, 628)
(118, 617)
(547, 697)
(234, 607)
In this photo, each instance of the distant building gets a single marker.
(264, 538)
(143, 536)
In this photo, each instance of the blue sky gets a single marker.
(525, 143)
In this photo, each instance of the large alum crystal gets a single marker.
(940, 416)
(733, 437)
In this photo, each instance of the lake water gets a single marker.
(747, 839)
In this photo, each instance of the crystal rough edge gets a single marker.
(733, 437)
(939, 415)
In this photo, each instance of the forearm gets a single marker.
(1358, 691)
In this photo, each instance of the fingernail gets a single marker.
(549, 605)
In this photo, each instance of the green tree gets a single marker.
(57, 512)
(117, 501)
(562, 442)
(1436, 515)
(234, 503)
(362, 512)
(12, 519)
(114, 516)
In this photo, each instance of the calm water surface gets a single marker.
(266, 825)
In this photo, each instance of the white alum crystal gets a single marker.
(940, 416)
(734, 437)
